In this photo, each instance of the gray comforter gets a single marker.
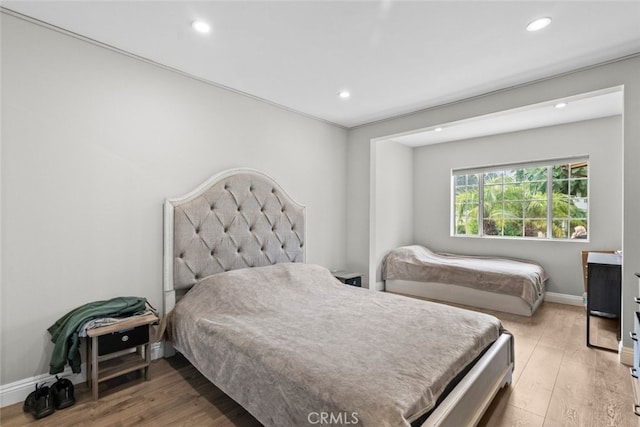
(524, 279)
(290, 343)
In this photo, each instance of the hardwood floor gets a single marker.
(558, 381)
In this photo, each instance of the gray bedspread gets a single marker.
(524, 279)
(289, 343)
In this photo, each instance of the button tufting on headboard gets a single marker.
(243, 219)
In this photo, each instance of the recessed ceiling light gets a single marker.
(560, 105)
(344, 94)
(201, 26)
(538, 24)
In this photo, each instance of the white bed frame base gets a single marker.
(469, 400)
(464, 295)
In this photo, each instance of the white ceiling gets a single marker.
(395, 57)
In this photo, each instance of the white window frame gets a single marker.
(550, 163)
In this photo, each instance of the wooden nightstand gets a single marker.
(353, 279)
(118, 349)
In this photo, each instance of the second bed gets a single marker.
(502, 284)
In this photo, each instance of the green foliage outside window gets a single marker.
(515, 201)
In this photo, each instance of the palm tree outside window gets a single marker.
(541, 200)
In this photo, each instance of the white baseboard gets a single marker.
(157, 350)
(625, 355)
(19, 390)
(564, 299)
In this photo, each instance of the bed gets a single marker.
(294, 346)
(503, 284)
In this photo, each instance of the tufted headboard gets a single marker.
(237, 219)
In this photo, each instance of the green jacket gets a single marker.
(64, 333)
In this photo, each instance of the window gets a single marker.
(515, 201)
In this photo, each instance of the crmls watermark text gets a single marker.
(328, 418)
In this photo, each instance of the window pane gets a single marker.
(560, 228)
(510, 175)
(513, 192)
(493, 177)
(537, 189)
(467, 209)
(535, 228)
(466, 218)
(561, 186)
(580, 170)
(462, 192)
(466, 179)
(578, 209)
(462, 210)
(466, 204)
(579, 187)
(536, 174)
(490, 228)
(560, 172)
(469, 226)
(561, 207)
(578, 229)
(493, 210)
(493, 193)
(515, 201)
(513, 209)
(513, 228)
(536, 209)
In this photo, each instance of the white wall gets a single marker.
(93, 141)
(601, 139)
(624, 72)
(392, 218)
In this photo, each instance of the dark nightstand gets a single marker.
(353, 279)
(604, 283)
(118, 349)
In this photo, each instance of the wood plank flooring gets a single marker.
(558, 381)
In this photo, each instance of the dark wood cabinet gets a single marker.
(604, 288)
